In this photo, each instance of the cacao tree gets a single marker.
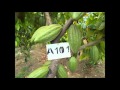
(84, 31)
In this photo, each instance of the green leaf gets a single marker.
(97, 24)
(91, 26)
(17, 26)
(91, 17)
(62, 19)
(16, 44)
(67, 16)
(102, 46)
(89, 33)
(88, 21)
(84, 57)
(99, 35)
(103, 57)
(17, 40)
(102, 26)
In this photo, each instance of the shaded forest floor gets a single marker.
(38, 58)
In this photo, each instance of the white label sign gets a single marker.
(58, 51)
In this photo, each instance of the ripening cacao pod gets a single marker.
(94, 54)
(74, 38)
(39, 72)
(46, 33)
(77, 15)
(61, 72)
(72, 64)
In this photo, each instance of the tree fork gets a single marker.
(54, 64)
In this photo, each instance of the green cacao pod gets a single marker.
(39, 72)
(61, 72)
(74, 38)
(72, 64)
(47, 63)
(94, 54)
(77, 15)
(46, 33)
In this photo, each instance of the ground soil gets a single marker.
(38, 58)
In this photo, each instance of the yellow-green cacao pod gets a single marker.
(94, 53)
(77, 15)
(72, 64)
(61, 72)
(46, 33)
(74, 38)
(39, 72)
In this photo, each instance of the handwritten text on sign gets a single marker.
(58, 51)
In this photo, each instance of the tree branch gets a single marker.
(54, 64)
(53, 69)
(91, 43)
(20, 15)
(65, 27)
(48, 18)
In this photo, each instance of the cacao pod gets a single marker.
(77, 15)
(47, 63)
(72, 64)
(39, 72)
(46, 33)
(94, 54)
(74, 38)
(61, 72)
